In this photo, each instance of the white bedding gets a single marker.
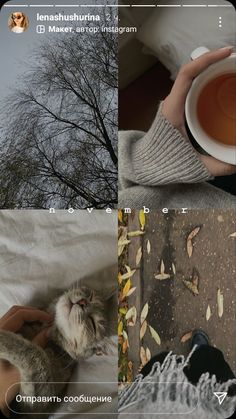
(41, 253)
(172, 33)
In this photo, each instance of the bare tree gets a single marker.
(58, 144)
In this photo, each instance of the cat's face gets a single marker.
(80, 322)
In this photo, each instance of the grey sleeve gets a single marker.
(159, 157)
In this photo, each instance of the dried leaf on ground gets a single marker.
(143, 329)
(189, 248)
(125, 346)
(195, 277)
(131, 316)
(121, 246)
(131, 291)
(130, 312)
(186, 337)
(142, 219)
(191, 235)
(119, 278)
(123, 310)
(135, 233)
(162, 275)
(125, 335)
(208, 313)
(130, 372)
(148, 354)
(220, 303)
(193, 288)
(122, 239)
(193, 283)
(173, 268)
(126, 288)
(143, 357)
(155, 335)
(194, 232)
(144, 313)
(138, 256)
(148, 247)
(127, 275)
(233, 234)
(120, 215)
(120, 328)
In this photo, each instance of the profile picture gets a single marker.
(18, 22)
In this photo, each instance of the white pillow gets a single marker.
(172, 33)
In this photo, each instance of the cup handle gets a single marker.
(198, 52)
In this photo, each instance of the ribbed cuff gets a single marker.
(164, 156)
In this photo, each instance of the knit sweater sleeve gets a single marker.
(160, 156)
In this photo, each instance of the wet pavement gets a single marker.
(173, 309)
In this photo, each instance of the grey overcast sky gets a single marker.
(15, 48)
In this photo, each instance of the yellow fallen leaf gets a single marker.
(144, 313)
(148, 247)
(186, 337)
(143, 329)
(126, 288)
(120, 215)
(131, 291)
(155, 335)
(120, 328)
(123, 310)
(208, 313)
(148, 354)
(135, 233)
(139, 255)
(142, 219)
(220, 303)
(233, 234)
(119, 278)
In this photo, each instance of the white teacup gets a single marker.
(223, 152)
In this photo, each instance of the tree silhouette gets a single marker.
(58, 143)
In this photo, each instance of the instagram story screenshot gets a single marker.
(117, 209)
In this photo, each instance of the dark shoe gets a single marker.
(199, 338)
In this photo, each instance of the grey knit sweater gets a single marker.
(160, 169)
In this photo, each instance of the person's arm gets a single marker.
(164, 154)
(12, 321)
